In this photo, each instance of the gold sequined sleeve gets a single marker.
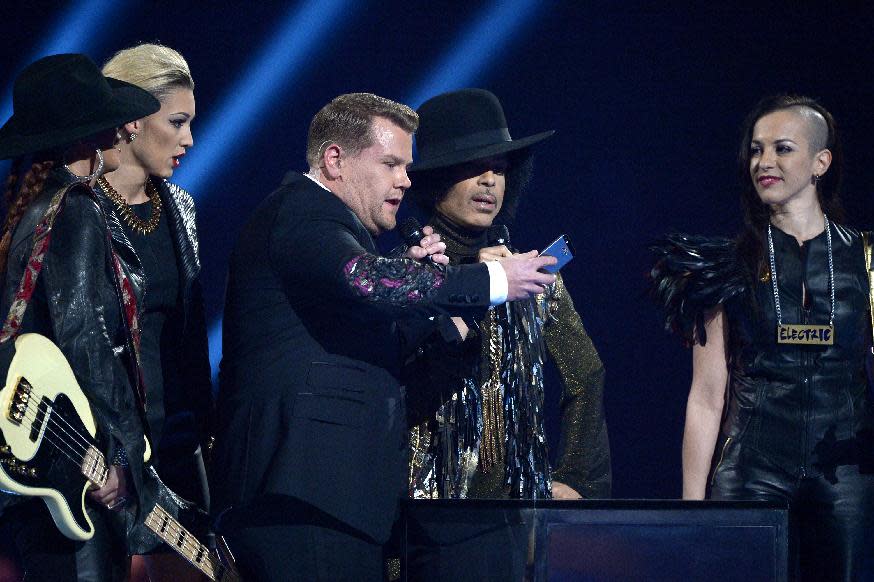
(583, 449)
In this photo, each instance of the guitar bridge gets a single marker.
(19, 401)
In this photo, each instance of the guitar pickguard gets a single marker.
(56, 454)
(48, 433)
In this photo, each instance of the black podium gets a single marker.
(620, 540)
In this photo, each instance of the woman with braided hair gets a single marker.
(779, 320)
(63, 136)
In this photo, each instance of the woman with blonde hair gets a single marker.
(159, 220)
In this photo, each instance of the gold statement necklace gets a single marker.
(127, 214)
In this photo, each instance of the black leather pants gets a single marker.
(831, 516)
(44, 554)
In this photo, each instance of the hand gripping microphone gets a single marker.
(411, 232)
(498, 235)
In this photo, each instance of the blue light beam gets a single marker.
(75, 31)
(484, 42)
(214, 337)
(281, 58)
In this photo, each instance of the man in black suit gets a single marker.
(311, 453)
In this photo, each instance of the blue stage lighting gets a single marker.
(483, 43)
(215, 349)
(279, 60)
(275, 66)
(76, 31)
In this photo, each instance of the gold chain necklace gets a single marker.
(135, 222)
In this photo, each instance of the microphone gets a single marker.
(498, 234)
(411, 232)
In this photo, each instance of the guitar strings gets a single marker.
(51, 421)
(189, 542)
(49, 432)
(51, 418)
(84, 442)
(49, 408)
(190, 545)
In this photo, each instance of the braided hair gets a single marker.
(22, 188)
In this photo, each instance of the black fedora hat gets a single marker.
(462, 126)
(60, 99)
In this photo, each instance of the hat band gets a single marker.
(472, 140)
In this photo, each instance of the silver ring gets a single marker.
(118, 503)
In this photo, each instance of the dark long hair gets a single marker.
(25, 182)
(751, 240)
(431, 186)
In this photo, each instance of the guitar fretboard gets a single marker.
(178, 538)
(94, 466)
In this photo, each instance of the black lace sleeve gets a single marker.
(693, 275)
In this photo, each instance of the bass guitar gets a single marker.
(49, 449)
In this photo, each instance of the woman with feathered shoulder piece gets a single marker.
(780, 328)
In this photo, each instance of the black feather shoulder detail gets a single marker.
(693, 275)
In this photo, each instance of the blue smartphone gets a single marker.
(562, 250)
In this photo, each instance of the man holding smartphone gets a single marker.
(476, 401)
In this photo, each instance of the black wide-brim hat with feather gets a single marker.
(463, 126)
(61, 99)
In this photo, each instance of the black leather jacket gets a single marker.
(805, 408)
(77, 306)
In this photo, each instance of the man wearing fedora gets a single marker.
(477, 404)
(311, 436)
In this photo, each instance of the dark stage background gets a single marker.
(647, 106)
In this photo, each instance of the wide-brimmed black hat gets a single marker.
(60, 99)
(462, 126)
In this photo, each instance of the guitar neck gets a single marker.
(177, 537)
(94, 466)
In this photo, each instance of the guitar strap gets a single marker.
(124, 290)
(41, 238)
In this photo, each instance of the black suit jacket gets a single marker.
(310, 406)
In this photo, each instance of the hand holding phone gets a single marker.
(562, 250)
